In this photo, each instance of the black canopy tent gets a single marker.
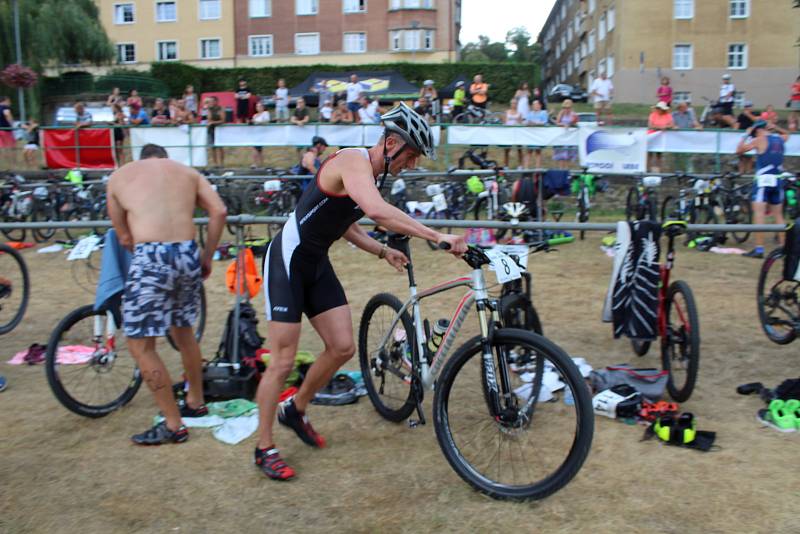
(387, 85)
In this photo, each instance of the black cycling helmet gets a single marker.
(414, 130)
(317, 140)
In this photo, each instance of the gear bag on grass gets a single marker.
(249, 338)
(651, 383)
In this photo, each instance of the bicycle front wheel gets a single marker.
(43, 213)
(680, 346)
(778, 300)
(516, 446)
(88, 364)
(632, 208)
(15, 287)
(387, 368)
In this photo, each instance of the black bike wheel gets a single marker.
(640, 348)
(680, 346)
(671, 210)
(517, 311)
(43, 213)
(16, 234)
(534, 448)
(479, 211)
(107, 378)
(739, 212)
(79, 214)
(387, 370)
(14, 288)
(582, 214)
(778, 300)
(200, 323)
(632, 204)
(704, 215)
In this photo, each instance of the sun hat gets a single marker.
(726, 76)
(662, 106)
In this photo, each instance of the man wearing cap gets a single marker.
(767, 186)
(727, 92)
(744, 121)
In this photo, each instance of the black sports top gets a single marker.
(321, 218)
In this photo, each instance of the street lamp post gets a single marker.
(20, 90)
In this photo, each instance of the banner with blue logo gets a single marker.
(617, 150)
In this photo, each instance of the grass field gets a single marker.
(62, 473)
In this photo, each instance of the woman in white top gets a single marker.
(261, 116)
(523, 96)
(512, 118)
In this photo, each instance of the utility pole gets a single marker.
(20, 90)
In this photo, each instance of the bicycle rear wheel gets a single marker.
(778, 300)
(15, 234)
(43, 213)
(739, 212)
(387, 370)
(14, 288)
(82, 215)
(524, 448)
(632, 203)
(680, 346)
(103, 376)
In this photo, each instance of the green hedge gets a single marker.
(504, 78)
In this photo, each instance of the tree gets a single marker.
(54, 31)
(484, 51)
(519, 43)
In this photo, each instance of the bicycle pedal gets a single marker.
(414, 423)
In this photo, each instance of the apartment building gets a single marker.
(228, 33)
(198, 32)
(693, 42)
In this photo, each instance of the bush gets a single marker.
(504, 78)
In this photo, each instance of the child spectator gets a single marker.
(242, 101)
(190, 99)
(523, 96)
(134, 99)
(664, 92)
(281, 97)
(326, 111)
(31, 141)
(770, 116)
(120, 120)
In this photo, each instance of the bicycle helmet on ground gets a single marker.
(412, 128)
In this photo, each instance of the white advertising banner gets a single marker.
(512, 135)
(242, 135)
(185, 145)
(621, 151)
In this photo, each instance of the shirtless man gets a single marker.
(299, 277)
(151, 203)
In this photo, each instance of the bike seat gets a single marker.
(674, 228)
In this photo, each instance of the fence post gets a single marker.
(77, 147)
(191, 151)
(719, 147)
(442, 132)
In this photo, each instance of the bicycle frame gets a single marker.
(666, 269)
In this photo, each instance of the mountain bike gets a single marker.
(103, 376)
(778, 300)
(16, 205)
(584, 187)
(477, 115)
(489, 422)
(14, 288)
(733, 202)
(678, 325)
(642, 200)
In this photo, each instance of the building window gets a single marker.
(354, 6)
(259, 45)
(610, 66)
(601, 27)
(354, 43)
(261, 8)
(306, 44)
(412, 39)
(306, 7)
(411, 4)
(166, 12)
(601, 66)
(583, 49)
(124, 14)
(681, 96)
(576, 57)
(210, 49)
(737, 56)
(740, 9)
(577, 23)
(427, 39)
(592, 5)
(682, 56)
(739, 98)
(210, 9)
(569, 68)
(167, 50)
(563, 72)
(394, 39)
(591, 41)
(126, 53)
(569, 33)
(612, 15)
(683, 9)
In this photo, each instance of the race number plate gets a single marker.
(767, 180)
(504, 267)
(520, 251)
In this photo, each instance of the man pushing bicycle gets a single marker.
(299, 277)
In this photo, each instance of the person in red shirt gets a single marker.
(664, 91)
(660, 119)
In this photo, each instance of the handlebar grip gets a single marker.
(444, 245)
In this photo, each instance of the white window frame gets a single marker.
(158, 49)
(732, 3)
(344, 43)
(611, 19)
(576, 57)
(682, 4)
(584, 49)
(134, 53)
(592, 5)
(426, 35)
(601, 27)
(569, 68)
(306, 34)
(395, 40)
(691, 56)
(157, 2)
(268, 10)
(200, 10)
(601, 66)
(743, 53)
(200, 46)
(592, 41)
(610, 66)
(269, 37)
(681, 96)
(357, 10)
(313, 7)
(569, 33)
(133, 12)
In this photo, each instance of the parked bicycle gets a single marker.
(584, 186)
(16, 205)
(642, 200)
(678, 325)
(778, 300)
(482, 404)
(14, 288)
(477, 115)
(732, 202)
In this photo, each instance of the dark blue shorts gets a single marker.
(770, 195)
(162, 289)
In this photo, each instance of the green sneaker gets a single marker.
(778, 417)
